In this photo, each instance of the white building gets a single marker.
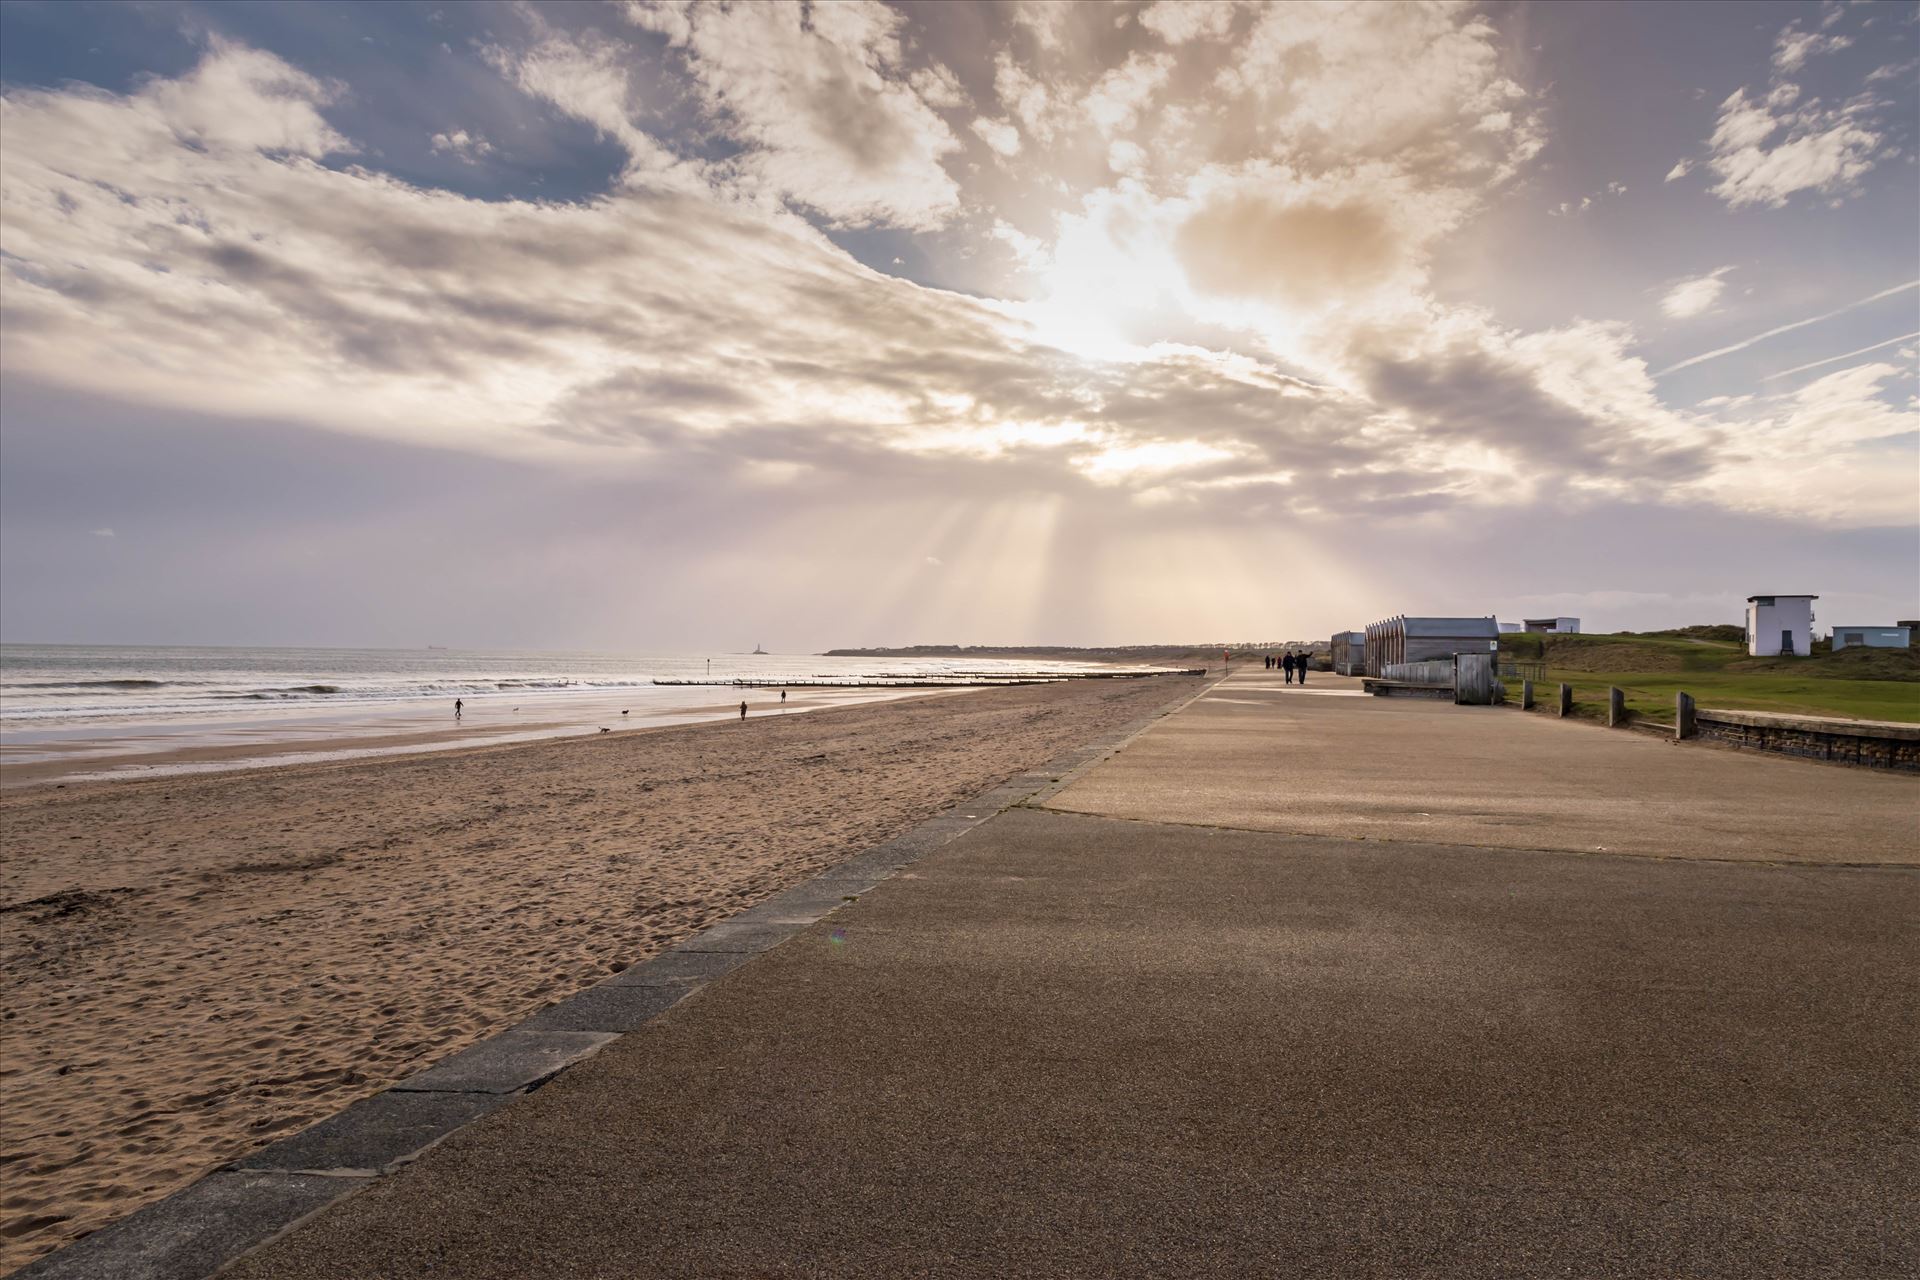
(1871, 637)
(1780, 626)
(1560, 626)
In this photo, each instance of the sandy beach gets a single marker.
(199, 964)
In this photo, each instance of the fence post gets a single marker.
(1566, 699)
(1683, 715)
(1526, 695)
(1616, 707)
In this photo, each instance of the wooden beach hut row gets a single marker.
(1401, 639)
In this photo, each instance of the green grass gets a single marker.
(1711, 664)
(1650, 694)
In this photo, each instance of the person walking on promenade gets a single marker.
(743, 709)
(1300, 664)
(1286, 664)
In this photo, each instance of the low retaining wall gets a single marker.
(1406, 689)
(1871, 744)
(1419, 672)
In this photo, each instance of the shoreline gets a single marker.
(126, 751)
(202, 963)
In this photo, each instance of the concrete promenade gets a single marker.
(1179, 1021)
(1329, 760)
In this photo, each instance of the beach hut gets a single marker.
(1349, 652)
(1403, 639)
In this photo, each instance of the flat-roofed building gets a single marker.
(1895, 637)
(1403, 639)
(1559, 626)
(1780, 626)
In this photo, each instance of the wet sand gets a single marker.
(161, 746)
(199, 964)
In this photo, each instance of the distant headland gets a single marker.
(1154, 653)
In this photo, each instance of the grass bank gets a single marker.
(1712, 664)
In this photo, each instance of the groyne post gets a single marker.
(1616, 707)
(1683, 726)
(1526, 695)
(1566, 699)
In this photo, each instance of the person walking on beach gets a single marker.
(1286, 665)
(1301, 666)
(743, 710)
(458, 707)
(783, 697)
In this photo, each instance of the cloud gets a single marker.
(1043, 20)
(1694, 295)
(1567, 208)
(1303, 245)
(668, 17)
(1117, 100)
(103, 533)
(824, 102)
(1833, 449)
(938, 87)
(998, 134)
(239, 98)
(1423, 84)
(470, 148)
(660, 326)
(1023, 94)
(1238, 333)
(1793, 47)
(1179, 21)
(1680, 170)
(1765, 153)
(589, 79)
(1569, 408)
(1767, 148)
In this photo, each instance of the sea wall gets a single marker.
(1870, 744)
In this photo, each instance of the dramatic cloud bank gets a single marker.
(1200, 246)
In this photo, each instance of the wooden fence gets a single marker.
(1867, 744)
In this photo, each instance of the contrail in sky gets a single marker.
(1815, 364)
(1797, 324)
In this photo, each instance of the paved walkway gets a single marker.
(1260, 754)
(1068, 1044)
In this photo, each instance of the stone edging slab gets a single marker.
(195, 1232)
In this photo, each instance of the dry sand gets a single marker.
(197, 965)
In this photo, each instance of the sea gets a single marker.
(87, 711)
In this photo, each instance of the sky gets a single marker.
(668, 326)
